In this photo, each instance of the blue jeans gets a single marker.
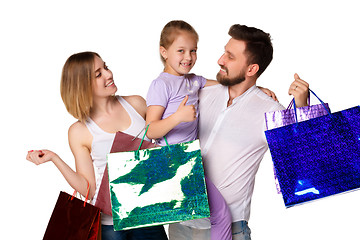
(177, 231)
(146, 233)
(241, 230)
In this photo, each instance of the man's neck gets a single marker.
(238, 89)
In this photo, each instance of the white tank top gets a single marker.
(102, 143)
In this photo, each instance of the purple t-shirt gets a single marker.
(168, 91)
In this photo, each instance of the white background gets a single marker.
(320, 40)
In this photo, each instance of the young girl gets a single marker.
(88, 91)
(172, 102)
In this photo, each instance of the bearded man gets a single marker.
(232, 125)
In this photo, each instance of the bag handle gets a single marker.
(292, 103)
(146, 129)
(87, 193)
(322, 103)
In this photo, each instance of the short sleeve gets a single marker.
(158, 93)
(200, 79)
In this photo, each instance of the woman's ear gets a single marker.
(163, 52)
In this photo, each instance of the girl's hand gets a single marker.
(269, 93)
(185, 113)
(40, 156)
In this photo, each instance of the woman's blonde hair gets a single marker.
(76, 84)
(170, 32)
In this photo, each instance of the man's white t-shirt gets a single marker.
(233, 142)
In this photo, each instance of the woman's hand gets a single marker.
(40, 156)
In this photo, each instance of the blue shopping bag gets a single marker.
(317, 158)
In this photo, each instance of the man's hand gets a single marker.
(300, 90)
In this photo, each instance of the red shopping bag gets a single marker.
(122, 142)
(73, 219)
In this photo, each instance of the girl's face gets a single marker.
(181, 56)
(104, 85)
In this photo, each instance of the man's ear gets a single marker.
(252, 70)
(163, 52)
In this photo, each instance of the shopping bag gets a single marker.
(157, 186)
(122, 142)
(317, 158)
(285, 117)
(73, 219)
(289, 116)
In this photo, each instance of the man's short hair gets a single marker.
(259, 49)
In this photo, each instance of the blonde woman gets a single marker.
(88, 92)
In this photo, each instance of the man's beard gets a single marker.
(225, 81)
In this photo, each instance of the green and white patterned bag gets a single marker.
(157, 186)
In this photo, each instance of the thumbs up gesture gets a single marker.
(185, 113)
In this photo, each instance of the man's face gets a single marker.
(233, 63)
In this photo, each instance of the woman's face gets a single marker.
(104, 85)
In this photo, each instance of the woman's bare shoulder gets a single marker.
(138, 103)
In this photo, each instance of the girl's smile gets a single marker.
(181, 55)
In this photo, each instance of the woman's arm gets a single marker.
(79, 139)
